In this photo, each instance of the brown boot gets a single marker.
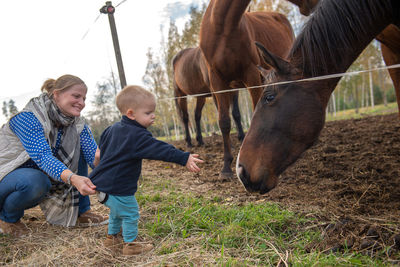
(90, 218)
(135, 248)
(17, 229)
(113, 243)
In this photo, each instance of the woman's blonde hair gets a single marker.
(62, 83)
(132, 96)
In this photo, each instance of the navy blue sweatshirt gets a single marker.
(123, 145)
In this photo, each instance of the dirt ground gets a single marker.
(349, 181)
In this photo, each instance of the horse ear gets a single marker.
(276, 62)
(263, 71)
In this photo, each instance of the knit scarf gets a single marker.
(61, 204)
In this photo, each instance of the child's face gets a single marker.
(145, 113)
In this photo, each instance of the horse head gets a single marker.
(287, 120)
(290, 115)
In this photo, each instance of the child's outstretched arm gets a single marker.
(191, 163)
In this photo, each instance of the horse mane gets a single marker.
(334, 26)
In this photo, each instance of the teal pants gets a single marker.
(124, 213)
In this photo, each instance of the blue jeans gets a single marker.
(124, 212)
(24, 188)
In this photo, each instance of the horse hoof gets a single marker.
(225, 176)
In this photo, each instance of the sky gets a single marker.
(48, 38)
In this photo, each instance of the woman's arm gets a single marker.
(89, 147)
(31, 134)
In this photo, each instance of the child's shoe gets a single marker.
(113, 242)
(135, 248)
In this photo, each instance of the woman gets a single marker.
(40, 148)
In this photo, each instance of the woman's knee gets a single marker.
(35, 186)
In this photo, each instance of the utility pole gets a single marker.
(109, 9)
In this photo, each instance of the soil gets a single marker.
(349, 181)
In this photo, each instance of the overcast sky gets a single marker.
(48, 38)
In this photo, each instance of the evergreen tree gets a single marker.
(9, 109)
(5, 109)
(12, 109)
(190, 33)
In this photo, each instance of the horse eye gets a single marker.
(269, 98)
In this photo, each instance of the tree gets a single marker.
(12, 109)
(159, 75)
(104, 112)
(190, 33)
(155, 79)
(5, 109)
(9, 109)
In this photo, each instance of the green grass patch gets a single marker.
(247, 234)
(362, 112)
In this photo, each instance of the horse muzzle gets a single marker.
(262, 185)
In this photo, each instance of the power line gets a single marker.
(121, 3)
(87, 31)
(94, 22)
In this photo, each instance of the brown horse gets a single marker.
(389, 39)
(191, 78)
(289, 116)
(305, 6)
(227, 36)
(390, 46)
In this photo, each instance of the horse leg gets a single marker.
(392, 58)
(181, 105)
(197, 116)
(224, 121)
(236, 116)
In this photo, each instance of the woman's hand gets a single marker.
(83, 184)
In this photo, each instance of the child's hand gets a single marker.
(191, 163)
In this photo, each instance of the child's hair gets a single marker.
(132, 96)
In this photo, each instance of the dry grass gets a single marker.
(49, 245)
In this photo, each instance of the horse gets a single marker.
(290, 116)
(190, 77)
(389, 39)
(390, 46)
(305, 6)
(227, 35)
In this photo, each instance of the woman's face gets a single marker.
(71, 101)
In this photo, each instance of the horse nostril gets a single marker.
(242, 174)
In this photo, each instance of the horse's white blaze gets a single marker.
(238, 169)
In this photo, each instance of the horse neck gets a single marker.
(335, 36)
(226, 14)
